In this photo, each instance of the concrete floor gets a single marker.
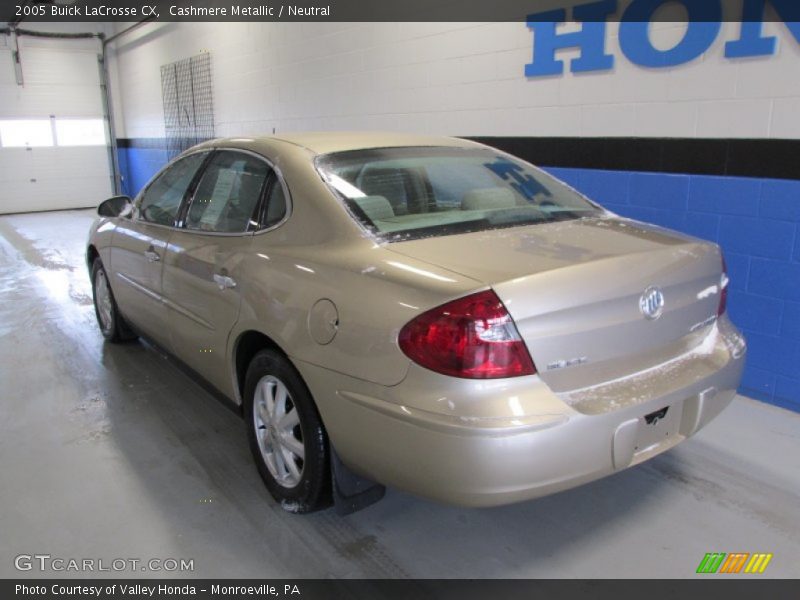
(110, 452)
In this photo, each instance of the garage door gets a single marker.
(53, 151)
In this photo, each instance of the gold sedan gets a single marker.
(420, 312)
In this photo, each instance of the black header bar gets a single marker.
(18, 11)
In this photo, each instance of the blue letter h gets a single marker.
(590, 39)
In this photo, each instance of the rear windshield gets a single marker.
(408, 193)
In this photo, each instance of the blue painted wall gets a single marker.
(756, 221)
(138, 165)
(757, 224)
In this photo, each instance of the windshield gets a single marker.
(407, 193)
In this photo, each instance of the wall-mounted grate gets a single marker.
(186, 91)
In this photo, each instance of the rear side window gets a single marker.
(228, 193)
(161, 201)
(276, 204)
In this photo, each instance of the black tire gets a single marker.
(312, 489)
(116, 329)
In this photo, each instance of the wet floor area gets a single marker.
(109, 451)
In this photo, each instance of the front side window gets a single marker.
(228, 193)
(162, 200)
(407, 193)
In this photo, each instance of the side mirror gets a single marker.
(116, 206)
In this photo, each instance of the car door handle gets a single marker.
(223, 281)
(151, 255)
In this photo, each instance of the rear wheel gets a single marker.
(286, 435)
(112, 325)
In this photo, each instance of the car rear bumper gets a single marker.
(497, 442)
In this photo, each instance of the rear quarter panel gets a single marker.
(374, 293)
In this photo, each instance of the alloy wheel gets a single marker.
(103, 300)
(278, 431)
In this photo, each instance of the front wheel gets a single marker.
(112, 325)
(286, 435)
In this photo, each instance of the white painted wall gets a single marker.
(458, 79)
(60, 79)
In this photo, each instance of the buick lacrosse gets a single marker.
(419, 312)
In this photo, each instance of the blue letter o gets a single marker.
(703, 24)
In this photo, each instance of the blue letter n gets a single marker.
(590, 39)
(752, 42)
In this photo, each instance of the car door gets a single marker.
(203, 278)
(139, 245)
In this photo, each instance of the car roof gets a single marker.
(323, 142)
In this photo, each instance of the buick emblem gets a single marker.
(652, 303)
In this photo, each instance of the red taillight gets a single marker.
(723, 290)
(473, 337)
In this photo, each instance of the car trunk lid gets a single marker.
(574, 290)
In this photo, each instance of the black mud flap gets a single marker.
(352, 492)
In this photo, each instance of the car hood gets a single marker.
(504, 254)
